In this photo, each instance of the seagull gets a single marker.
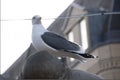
(58, 46)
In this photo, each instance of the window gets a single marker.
(71, 36)
(84, 36)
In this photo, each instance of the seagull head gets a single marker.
(36, 19)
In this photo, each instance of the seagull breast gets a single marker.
(37, 41)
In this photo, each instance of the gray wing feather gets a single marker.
(58, 42)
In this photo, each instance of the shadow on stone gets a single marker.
(42, 66)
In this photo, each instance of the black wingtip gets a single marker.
(85, 55)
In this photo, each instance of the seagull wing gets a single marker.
(57, 42)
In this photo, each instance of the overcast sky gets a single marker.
(16, 35)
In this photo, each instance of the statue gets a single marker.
(42, 65)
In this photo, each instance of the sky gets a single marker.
(16, 35)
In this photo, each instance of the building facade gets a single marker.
(97, 31)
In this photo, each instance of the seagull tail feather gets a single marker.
(85, 55)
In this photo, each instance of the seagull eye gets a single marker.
(34, 17)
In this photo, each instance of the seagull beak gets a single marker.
(40, 18)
